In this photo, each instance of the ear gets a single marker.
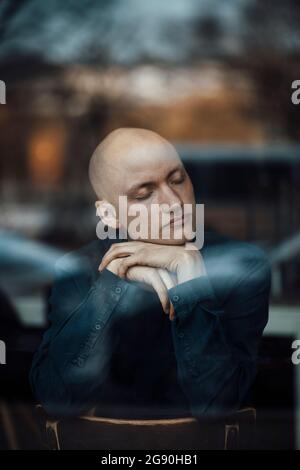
(107, 213)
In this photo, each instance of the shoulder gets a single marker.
(83, 261)
(230, 263)
(74, 274)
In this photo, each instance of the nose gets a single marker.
(169, 199)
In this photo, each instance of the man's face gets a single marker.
(153, 177)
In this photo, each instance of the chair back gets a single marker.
(89, 433)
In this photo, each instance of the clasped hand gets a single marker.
(159, 266)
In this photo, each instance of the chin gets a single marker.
(163, 241)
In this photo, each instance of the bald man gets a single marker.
(144, 327)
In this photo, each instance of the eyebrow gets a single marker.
(148, 184)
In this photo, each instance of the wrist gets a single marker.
(190, 266)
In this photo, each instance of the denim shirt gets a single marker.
(111, 346)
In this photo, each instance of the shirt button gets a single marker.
(176, 298)
(97, 326)
(181, 335)
(118, 290)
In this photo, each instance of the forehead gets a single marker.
(139, 163)
(149, 158)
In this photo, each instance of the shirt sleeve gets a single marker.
(216, 340)
(73, 360)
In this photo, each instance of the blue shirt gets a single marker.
(111, 347)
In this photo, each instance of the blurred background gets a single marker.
(213, 77)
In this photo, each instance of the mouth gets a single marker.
(176, 221)
(179, 221)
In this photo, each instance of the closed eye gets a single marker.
(178, 181)
(144, 197)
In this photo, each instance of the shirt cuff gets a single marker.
(198, 291)
(110, 287)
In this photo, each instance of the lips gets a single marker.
(179, 221)
(176, 221)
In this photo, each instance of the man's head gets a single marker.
(146, 168)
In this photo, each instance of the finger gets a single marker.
(129, 262)
(113, 253)
(142, 257)
(161, 291)
(125, 245)
(172, 312)
(169, 283)
(167, 279)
